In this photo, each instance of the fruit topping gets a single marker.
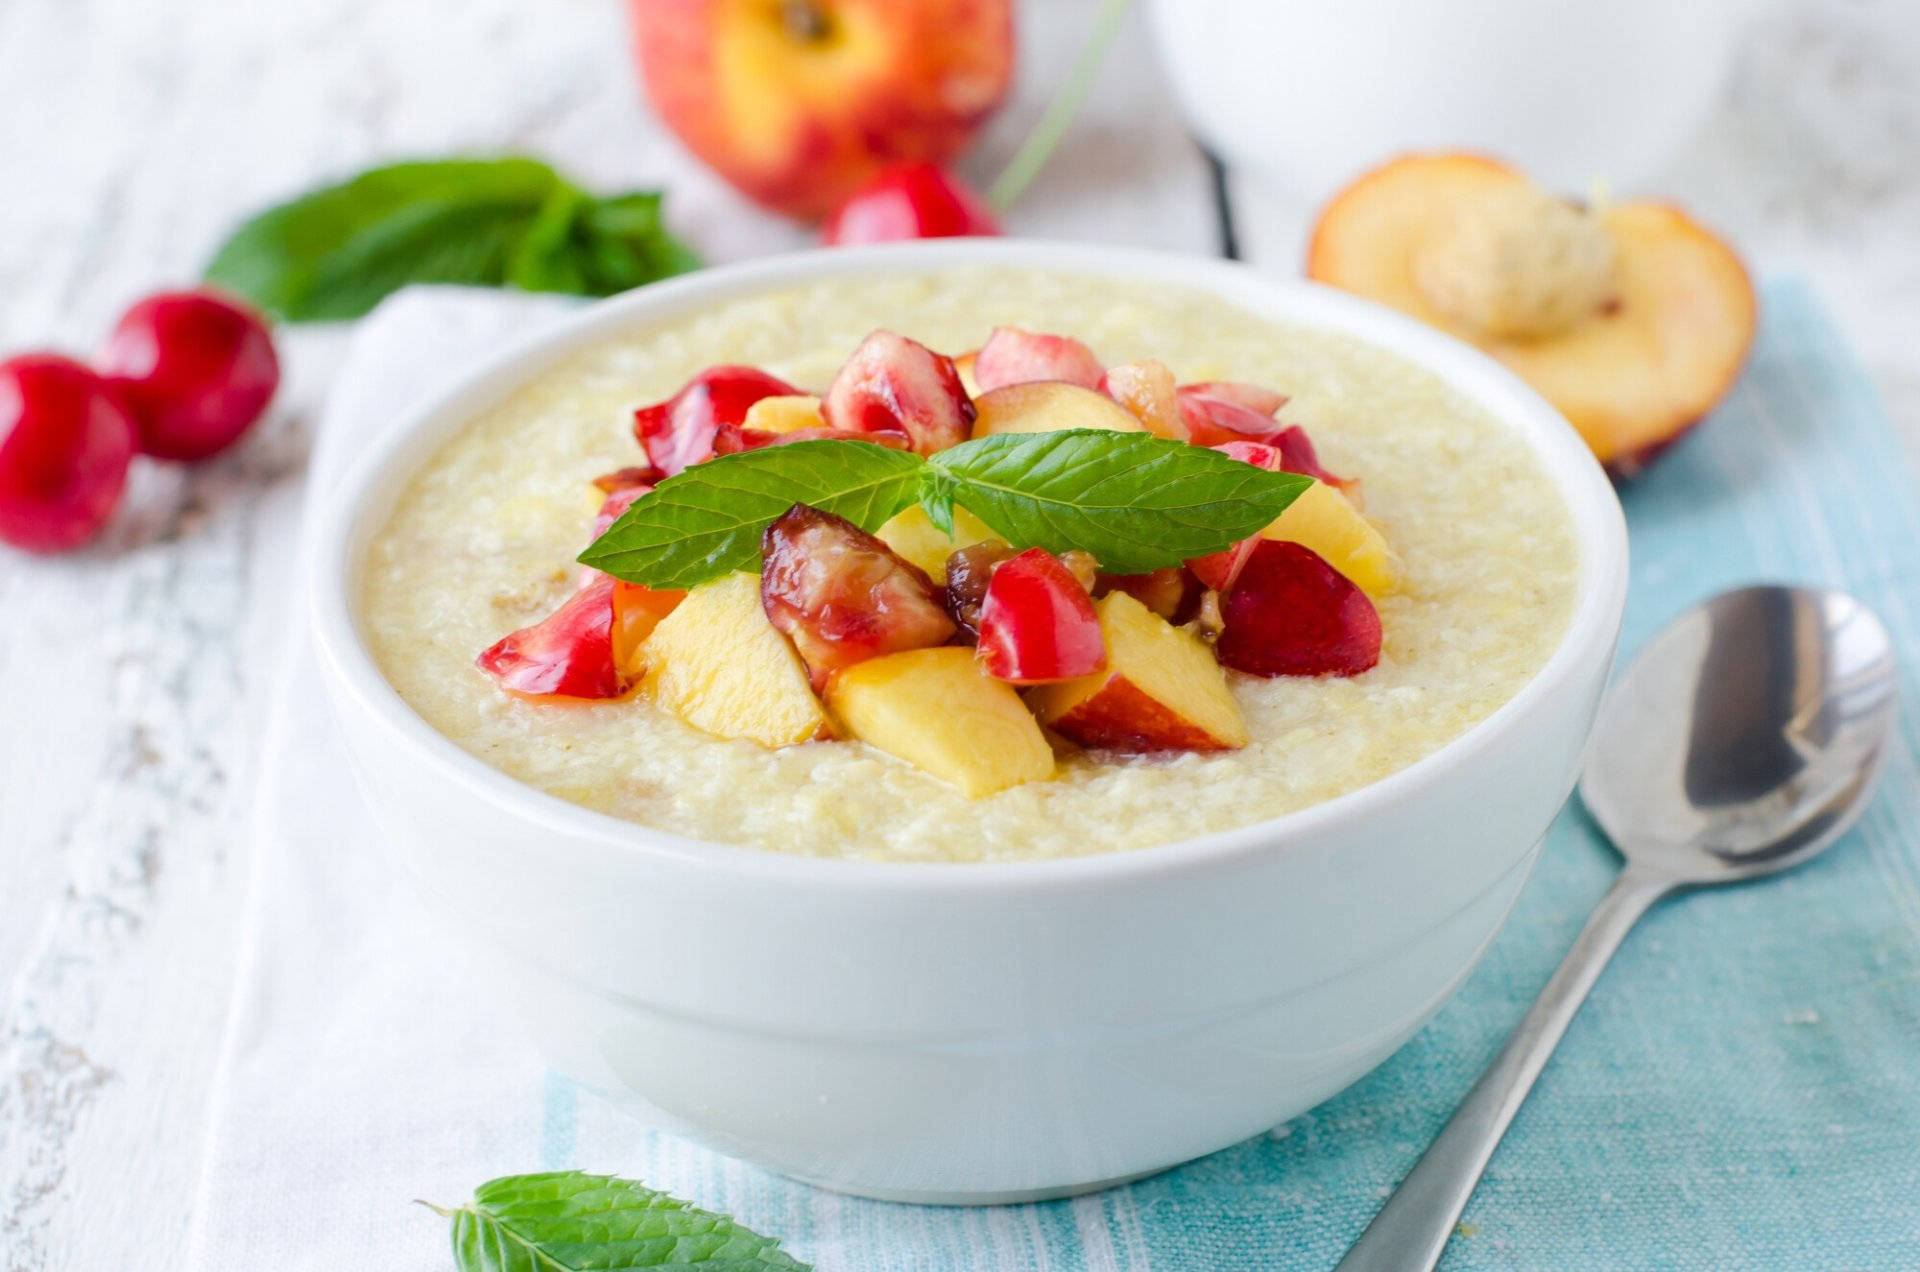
(1050, 406)
(895, 385)
(1037, 623)
(636, 612)
(936, 709)
(719, 665)
(1632, 319)
(1161, 690)
(195, 368)
(969, 571)
(567, 654)
(1325, 521)
(679, 432)
(621, 478)
(1147, 390)
(1254, 397)
(1213, 421)
(842, 595)
(913, 535)
(1172, 593)
(1292, 614)
(65, 444)
(1013, 356)
(910, 201)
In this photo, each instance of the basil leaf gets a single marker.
(705, 522)
(338, 251)
(1135, 501)
(569, 1222)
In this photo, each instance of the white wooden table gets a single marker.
(132, 675)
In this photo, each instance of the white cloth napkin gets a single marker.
(356, 1073)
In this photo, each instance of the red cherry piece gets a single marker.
(1013, 356)
(1288, 451)
(678, 433)
(910, 201)
(895, 385)
(1255, 398)
(65, 443)
(1220, 569)
(1211, 421)
(1292, 614)
(196, 369)
(567, 654)
(842, 595)
(1037, 624)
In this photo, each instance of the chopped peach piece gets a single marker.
(1162, 689)
(914, 537)
(1633, 319)
(937, 710)
(785, 413)
(718, 664)
(1323, 520)
(1049, 406)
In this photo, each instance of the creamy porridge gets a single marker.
(483, 540)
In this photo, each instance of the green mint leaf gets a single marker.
(1135, 501)
(338, 251)
(571, 1222)
(705, 522)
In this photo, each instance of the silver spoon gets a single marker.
(1744, 739)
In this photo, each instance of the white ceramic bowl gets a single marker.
(979, 1032)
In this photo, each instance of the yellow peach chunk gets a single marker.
(935, 709)
(784, 413)
(912, 535)
(718, 664)
(1049, 406)
(1162, 689)
(1325, 521)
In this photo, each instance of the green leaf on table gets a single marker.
(706, 521)
(1135, 501)
(337, 252)
(567, 1221)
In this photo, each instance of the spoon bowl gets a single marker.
(1743, 738)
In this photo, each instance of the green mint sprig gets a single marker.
(567, 1221)
(1135, 501)
(336, 252)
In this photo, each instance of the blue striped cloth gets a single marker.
(1743, 1089)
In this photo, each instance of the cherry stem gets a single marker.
(1040, 143)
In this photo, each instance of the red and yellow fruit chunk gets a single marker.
(896, 386)
(1147, 390)
(1014, 356)
(842, 596)
(1037, 623)
(1049, 406)
(1291, 614)
(718, 664)
(1633, 319)
(568, 654)
(938, 710)
(1161, 690)
(679, 432)
(1326, 522)
(800, 102)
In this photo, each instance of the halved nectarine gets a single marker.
(1632, 319)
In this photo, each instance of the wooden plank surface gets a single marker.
(134, 673)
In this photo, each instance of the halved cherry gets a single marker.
(568, 654)
(1013, 356)
(842, 595)
(1292, 614)
(909, 201)
(678, 433)
(1037, 623)
(895, 385)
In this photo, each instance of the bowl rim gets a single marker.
(341, 529)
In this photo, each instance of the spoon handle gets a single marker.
(1413, 1227)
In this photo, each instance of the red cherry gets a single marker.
(892, 384)
(1014, 356)
(196, 368)
(65, 444)
(569, 653)
(1037, 623)
(1292, 614)
(909, 201)
(678, 433)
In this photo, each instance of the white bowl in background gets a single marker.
(986, 1032)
